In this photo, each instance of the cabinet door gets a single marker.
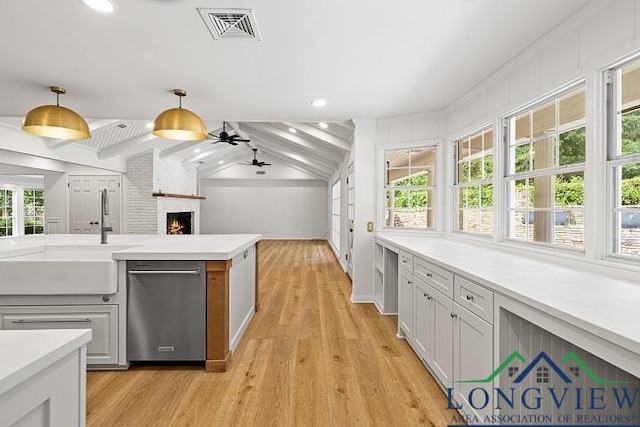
(441, 360)
(101, 319)
(405, 304)
(473, 358)
(422, 328)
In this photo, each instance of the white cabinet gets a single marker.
(405, 304)
(447, 320)
(84, 203)
(472, 357)
(423, 325)
(442, 359)
(101, 319)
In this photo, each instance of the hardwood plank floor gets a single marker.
(309, 358)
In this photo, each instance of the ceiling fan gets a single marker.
(225, 137)
(255, 161)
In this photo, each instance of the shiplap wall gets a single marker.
(518, 334)
(277, 209)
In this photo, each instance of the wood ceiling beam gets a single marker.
(321, 135)
(139, 143)
(93, 126)
(275, 144)
(218, 150)
(270, 132)
(294, 158)
(298, 165)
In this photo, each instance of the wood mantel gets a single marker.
(178, 196)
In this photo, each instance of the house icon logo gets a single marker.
(542, 366)
(550, 391)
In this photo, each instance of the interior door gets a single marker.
(84, 203)
(350, 218)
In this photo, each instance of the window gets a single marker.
(473, 186)
(33, 211)
(623, 92)
(335, 215)
(6, 212)
(410, 187)
(546, 153)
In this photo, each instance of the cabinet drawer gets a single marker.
(437, 277)
(475, 298)
(405, 260)
(101, 319)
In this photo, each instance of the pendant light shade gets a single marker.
(179, 123)
(55, 121)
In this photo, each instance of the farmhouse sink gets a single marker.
(61, 270)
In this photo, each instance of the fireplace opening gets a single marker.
(180, 223)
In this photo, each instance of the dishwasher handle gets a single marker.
(151, 272)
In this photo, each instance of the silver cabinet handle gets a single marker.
(22, 321)
(142, 272)
(469, 297)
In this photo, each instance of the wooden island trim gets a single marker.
(218, 355)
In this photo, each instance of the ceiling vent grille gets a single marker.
(261, 172)
(230, 23)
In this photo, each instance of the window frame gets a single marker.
(336, 202)
(457, 184)
(436, 177)
(615, 161)
(509, 176)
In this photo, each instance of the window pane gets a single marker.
(420, 177)
(628, 230)
(572, 109)
(523, 128)
(630, 185)
(488, 139)
(398, 177)
(544, 151)
(630, 143)
(572, 147)
(488, 166)
(522, 158)
(544, 120)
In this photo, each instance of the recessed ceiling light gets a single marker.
(318, 102)
(197, 150)
(221, 162)
(323, 125)
(103, 6)
(292, 130)
(149, 125)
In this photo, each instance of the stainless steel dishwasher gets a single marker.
(166, 311)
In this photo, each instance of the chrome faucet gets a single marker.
(104, 210)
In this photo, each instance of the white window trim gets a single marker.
(454, 179)
(505, 175)
(438, 198)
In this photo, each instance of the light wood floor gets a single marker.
(309, 358)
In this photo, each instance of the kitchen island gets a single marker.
(42, 377)
(41, 284)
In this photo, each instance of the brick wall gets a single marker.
(141, 206)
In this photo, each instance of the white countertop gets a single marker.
(25, 353)
(139, 246)
(606, 306)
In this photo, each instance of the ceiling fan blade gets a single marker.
(241, 140)
(232, 142)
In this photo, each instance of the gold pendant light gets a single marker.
(54, 121)
(179, 123)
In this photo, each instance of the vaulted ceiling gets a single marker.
(366, 58)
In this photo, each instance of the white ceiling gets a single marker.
(366, 58)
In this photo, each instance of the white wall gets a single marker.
(277, 209)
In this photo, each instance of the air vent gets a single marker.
(261, 172)
(230, 23)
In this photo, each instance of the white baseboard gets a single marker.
(358, 299)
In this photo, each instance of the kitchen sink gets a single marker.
(61, 270)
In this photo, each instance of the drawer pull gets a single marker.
(429, 297)
(22, 321)
(425, 294)
(453, 315)
(469, 297)
(429, 275)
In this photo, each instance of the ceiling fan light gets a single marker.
(323, 125)
(55, 121)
